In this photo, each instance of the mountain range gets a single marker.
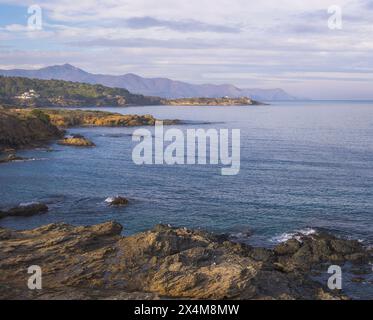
(160, 87)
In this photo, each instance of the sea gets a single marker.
(305, 166)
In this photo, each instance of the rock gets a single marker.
(72, 118)
(118, 201)
(22, 129)
(11, 158)
(225, 101)
(96, 262)
(76, 141)
(25, 210)
(316, 249)
(358, 280)
(289, 247)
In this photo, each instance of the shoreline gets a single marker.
(33, 128)
(97, 262)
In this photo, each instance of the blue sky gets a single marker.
(266, 44)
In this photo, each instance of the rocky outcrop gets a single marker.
(117, 201)
(225, 101)
(12, 157)
(27, 128)
(76, 141)
(19, 129)
(307, 252)
(79, 118)
(25, 210)
(96, 262)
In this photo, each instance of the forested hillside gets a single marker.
(34, 92)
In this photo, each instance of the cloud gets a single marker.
(187, 44)
(182, 26)
(368, 4)
(276, 42)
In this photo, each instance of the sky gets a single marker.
(284, 44)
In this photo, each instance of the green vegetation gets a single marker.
(41, 115)
(34, 92)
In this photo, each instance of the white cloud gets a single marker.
(248, 43)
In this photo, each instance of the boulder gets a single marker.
(119, 201)
(25, 210)
(76, 141)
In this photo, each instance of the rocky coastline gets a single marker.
(30, 128)
(97, 262)
(224, 101)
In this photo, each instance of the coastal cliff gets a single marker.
(96, 262)
(25, 129)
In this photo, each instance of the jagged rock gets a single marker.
(96, 262)
(118, 201)
(76, 141)
(320, 248)
(25, 210)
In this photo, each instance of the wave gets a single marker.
(30, 159)
(27, 204)
(109, 200)
(297, 234)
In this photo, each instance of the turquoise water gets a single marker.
(303, 165)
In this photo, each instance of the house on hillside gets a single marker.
(31, 94)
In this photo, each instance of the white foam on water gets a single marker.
(298, 234)
(109, 199)
(27, 204)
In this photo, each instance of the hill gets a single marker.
(57, 93)
(160, 87)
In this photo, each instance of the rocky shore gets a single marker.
(96, 262)
(225, 101)
(28, 128)
(20, 129)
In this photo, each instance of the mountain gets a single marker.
(160, 87)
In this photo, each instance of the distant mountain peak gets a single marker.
(69, 66)
(63, 67)
(161, 87)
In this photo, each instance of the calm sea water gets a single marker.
(303, 165)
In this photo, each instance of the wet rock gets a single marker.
(118, 201)
(25, 210)
(309, 251)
